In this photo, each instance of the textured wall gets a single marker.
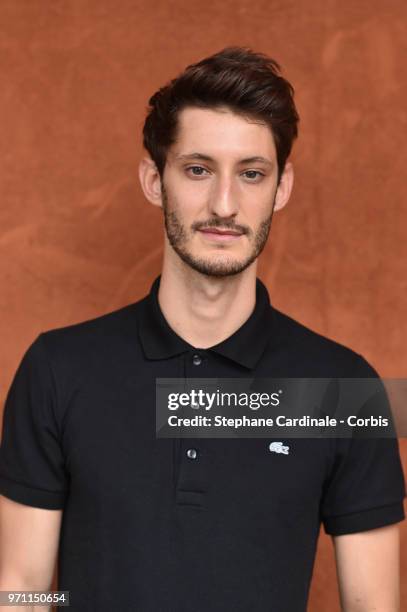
(76, 237)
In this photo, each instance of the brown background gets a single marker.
(78, 240)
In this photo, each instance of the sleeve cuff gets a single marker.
(40, 498)
(371, 518)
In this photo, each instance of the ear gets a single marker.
(284, 187)
(150, 181)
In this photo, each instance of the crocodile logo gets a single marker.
(278, 447)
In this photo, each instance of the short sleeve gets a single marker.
(32, 467)
(365, 487)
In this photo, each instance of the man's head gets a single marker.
(219, 136)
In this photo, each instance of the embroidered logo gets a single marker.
(278, 447)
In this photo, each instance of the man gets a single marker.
(159, 524)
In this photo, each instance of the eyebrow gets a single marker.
(247, 160)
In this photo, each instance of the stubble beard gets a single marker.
(178, 238)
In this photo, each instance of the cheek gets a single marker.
(193, 195)
(255, 210)
(189, 204)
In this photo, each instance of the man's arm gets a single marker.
(29, 539)
(368, 570)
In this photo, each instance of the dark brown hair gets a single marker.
(248, 83)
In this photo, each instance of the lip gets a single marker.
(220, 235)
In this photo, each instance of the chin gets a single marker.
(216, 267)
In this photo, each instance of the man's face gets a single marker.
(218, 190)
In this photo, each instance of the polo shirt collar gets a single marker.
(245, 346)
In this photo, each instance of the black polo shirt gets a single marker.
(150, 527)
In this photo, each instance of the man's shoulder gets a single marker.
(99, 333)
(318, 350)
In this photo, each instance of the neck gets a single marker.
(205, 310)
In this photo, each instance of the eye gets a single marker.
(196, 170)
(253, 175)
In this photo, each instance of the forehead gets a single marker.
(221, 131)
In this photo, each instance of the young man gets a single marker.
(199, 525)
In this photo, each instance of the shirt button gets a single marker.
(196, 360)
(192, 453)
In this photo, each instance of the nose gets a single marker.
(223, 198)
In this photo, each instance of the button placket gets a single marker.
(192, 468)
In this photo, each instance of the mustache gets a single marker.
(220, 223)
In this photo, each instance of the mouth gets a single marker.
(215, 233)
